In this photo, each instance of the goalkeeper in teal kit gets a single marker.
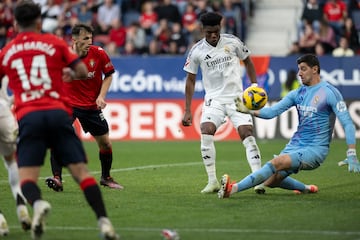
(318, 104)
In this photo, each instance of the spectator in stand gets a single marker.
(117, 39)
(327, 37)
(312, 14)
(167, 10)
(6, 14)
(343, 50)
(290, 84)
(231, 20)
(202, 6)
(351, 34)
(108, 13)
(189, 22)
(154, 47)
(148, 19)
(162, 35)
(308, 41)
(50, 14)
(84, 14)
(320, 49)
(335, 12)
(135, 39)
(178, 37)
(294, 49)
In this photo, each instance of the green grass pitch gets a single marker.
(162, 190)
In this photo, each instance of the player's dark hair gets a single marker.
(310, 59)
(26, 13)
(210, 19)
(81, 26)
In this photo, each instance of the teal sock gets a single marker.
(256, 177)
(292, 184)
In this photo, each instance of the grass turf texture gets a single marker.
(162, 190)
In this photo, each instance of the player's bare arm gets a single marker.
(250, 69)
(100, 101)
(189, 92)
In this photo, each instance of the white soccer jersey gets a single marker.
(220, 67)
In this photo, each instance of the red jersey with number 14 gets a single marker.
(34, 63)
(83, 94)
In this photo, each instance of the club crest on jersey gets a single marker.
(341, 106)
(226, 49)
(92, 63)
(316, 99)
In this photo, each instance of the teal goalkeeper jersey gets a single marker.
(317, 107)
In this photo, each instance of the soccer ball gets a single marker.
(254, 97)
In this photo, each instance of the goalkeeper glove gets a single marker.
(240, 107)
(351, 160)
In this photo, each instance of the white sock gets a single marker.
(208, 154)
(252, 153)
(13, 175)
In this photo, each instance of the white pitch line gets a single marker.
(209, 230)
(129, 169)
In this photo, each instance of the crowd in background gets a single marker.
(328, 27)
(127, 27)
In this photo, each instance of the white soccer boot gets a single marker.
(41, 210)
(106, 229)
(4, 228)
(211, 187)
(23, 216)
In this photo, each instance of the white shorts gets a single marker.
(8, 129)
(215, 112)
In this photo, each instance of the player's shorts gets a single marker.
(51, 129)
(8, 129)
(215, 112)
(305, 158)
(92, 121)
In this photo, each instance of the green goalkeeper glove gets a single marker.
(351, 160)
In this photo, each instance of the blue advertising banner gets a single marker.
(164, 78)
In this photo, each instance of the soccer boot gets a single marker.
(23, 216)
(4, 228)
(308, 189)
(54, 183)
(225, 187)
(259, 189)
(106, 229)
(110, 182)
(41, 210)
(211, 187)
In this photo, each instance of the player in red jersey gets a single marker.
(88, 99)
(36, 65)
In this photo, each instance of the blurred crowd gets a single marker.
(328, 27)
(130, 27)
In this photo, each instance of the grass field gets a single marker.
(162, 190)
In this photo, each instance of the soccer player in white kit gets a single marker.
(8, 135)
(218, 56)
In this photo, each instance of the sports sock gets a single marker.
(31, 191)
(256, 178)
(93, 196)
(13, 177)
(208, 154)
(252, 153)
(55, 167)
(106, 158)
(292, 184)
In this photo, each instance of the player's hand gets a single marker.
(187, 119)
(68, 74)
(351, 160)
(100, 102)
(240, 107)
